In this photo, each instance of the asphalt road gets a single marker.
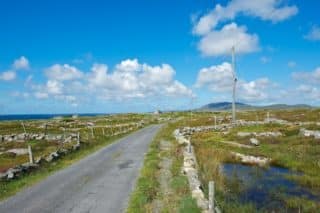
(101, 182)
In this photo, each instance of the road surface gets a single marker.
(101, 182)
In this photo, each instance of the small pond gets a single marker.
(263, 187)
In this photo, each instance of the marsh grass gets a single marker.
(291, 151)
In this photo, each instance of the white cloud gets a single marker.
(308, 77)
(8, 75)
(309, 89)
(309, 92)
(272, 10)
(216, 41)
(41, 95)
(304, 88)
(216, 78)
(128, 65)
(220, 42)
(63, 72)
(129, 79)
(254, 90)
(20, 94)
(219, 79)
(54, 87)
(314, 34)
(21, 63)
(98, 76)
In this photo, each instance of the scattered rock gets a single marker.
(261, 161)
(310, 133)
(189, 168)
(244, 134)
(10, 174)
(259, 134)
(52, 156)
(254, 141)
(39, 160)
(76, 147)
(18, 151)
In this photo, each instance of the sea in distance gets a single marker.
(42, 116)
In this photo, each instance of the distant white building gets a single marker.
(157, 112)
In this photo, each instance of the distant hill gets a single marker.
(221, 106)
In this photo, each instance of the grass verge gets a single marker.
(148, 188)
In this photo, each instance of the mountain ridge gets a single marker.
(220, 106)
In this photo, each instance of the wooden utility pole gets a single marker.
(234, 86)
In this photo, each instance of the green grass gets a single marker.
(147, 185)
(297, 153)
(188, 205)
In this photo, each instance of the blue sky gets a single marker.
(102, 56)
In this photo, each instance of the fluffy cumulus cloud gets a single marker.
(309, 92)
(308, 77)
(272, 10)
(309, 88)
(128, 65)
(220, 79)
(314, 34)
(41, 95)
(98, 76)
(218, 41)
(8, 75)
(63, 72)
(216, 78)
(21, 63)
(128, 80)
(255, 90)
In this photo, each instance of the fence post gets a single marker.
(64, 133)
(189, 148)
(92, 132)
(30, 154)
(215, 122)
(211, 197)
(78, 137)
(103, 131)
(45, 129)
